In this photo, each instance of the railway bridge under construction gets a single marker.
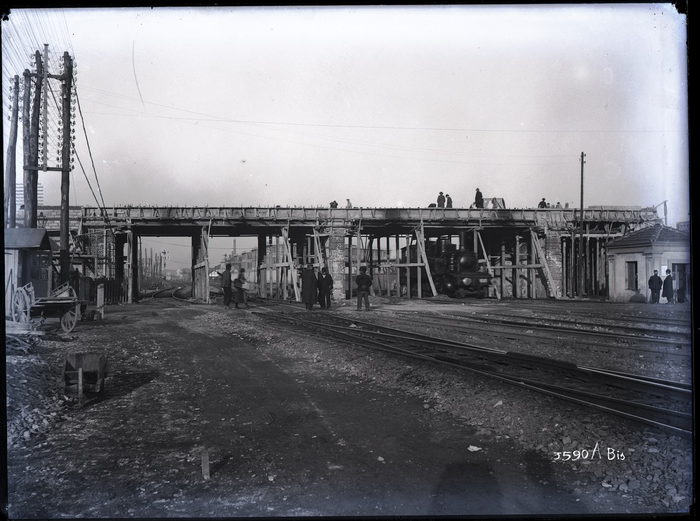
(530, 253)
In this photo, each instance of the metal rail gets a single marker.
(454, 325)
(577, 332)
(663, 346)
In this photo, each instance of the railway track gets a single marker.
(653, 401)
(620, 340)
(596, 319)
(592, 311)
(650, 329)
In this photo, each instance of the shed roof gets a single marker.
(657, 234)
(27, 239)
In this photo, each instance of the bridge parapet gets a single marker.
(552, 217)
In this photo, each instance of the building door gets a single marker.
(680, 274)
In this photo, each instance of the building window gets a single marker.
(631, 278)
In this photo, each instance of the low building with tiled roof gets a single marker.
(633, 258)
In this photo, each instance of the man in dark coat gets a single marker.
(325, 286)
(239, 284)
(448, 201)
(226, 285)
(364, 282)
(668, 287)
(478, 199)
(441, 201)
(655, 284)
(308, 287)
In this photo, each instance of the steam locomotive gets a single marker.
(455, 270)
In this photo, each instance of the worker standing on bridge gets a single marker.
(226, 285)
(441, 201)
(364, 282)
(478, 199)
(448, 201)
(239, 284)
(308, 286)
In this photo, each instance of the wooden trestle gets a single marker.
(531, 253)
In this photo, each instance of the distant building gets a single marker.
(633, 258)
(683, 226)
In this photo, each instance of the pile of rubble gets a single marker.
(33, 399)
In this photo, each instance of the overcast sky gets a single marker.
(385, 106)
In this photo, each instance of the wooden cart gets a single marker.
(63, 302)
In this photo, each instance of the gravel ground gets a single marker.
(647, 470)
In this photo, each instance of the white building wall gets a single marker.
(646, 264)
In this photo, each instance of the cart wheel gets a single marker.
(20, 306)
(70, 318)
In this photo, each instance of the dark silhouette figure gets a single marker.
(478, 199)
(668, 287)
(441, 201)
(309, 287)
(325, 287)
(655, 285)
(364, 282)
(226, 285)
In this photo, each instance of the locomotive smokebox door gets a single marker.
(92, 368)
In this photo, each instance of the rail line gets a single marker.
(680, 336)
(648, 329)
(664, 404)
(591, 310)
(617, 341)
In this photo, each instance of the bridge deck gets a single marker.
(369, 217)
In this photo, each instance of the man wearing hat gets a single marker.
(364, 282)
(441, 201)
(239, 284)
(668, 287)
(655, 284)
(309, 286)
(479, 199)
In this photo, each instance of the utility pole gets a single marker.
(11, 167)
(581, 257)
(66, 90)
(31, 143)
(26, 137)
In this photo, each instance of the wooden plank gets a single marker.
(80, 386)
(292, 270)
(545, 267)
(421, 247)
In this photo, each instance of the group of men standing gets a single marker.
(238, 283)
(316, 289)
(656, 285)
(445, 201)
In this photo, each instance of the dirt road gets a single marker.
(284, 433)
